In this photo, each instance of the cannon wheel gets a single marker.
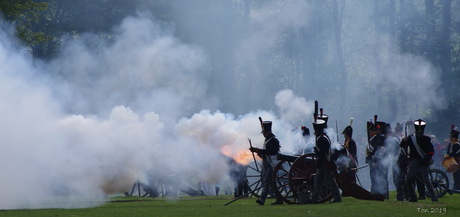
(301, 177)
(162, 187)
(281, 184)
(440, 182)
(254, 177)
(138, 190)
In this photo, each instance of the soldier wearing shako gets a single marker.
(309, 142)
(376, 154)
(269, 159)
(453, 150)
(400, 166)
(420, 151)
(324, 168)
(351, 151)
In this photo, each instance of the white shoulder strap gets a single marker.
(417, 147)
(452, 147)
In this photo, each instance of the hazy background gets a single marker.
(166, 94)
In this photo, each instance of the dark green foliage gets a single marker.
(41, 24)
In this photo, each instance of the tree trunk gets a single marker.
(430, 31)
(403, 42)
(377, 48)
(393, 101)
(402, 23)
(445, 55)
(337, 24)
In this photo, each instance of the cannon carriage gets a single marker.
(293, 180)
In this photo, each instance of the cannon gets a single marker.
(293, 180)
(162, 186)
(280, 185)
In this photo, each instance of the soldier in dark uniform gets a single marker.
(419, 183)
(376, 153)
(305, 131)
(324, 170)
(269, 160)
(420, 151)
(351, 151)
(309, 142)
(400, 165)
(453, 150)
(238, 176)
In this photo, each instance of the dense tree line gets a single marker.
(429, 28)
(44, 24)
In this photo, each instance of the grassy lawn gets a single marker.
(449, 205)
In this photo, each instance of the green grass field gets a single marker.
(449, 205)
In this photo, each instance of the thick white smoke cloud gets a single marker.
(296, 110)
(27, 115)
(114, 112)
(414, 78)
(267, 24)
(77, 137)
(145, 66)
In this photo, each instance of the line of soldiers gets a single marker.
(324, 167)
(408, 156)
(413, 156)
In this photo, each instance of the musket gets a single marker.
(357, 168)
(337, 131)
(405, 129)
(250, 143)
(405, 137)
(253, 156)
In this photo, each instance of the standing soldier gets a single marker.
(351, 151)
(420, 151)
(400, 166)
(453, 150)
(419, 183)
(376, 155)
(309, 141)
(324, 168)
(269, 160)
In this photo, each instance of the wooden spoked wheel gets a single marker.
(254, 177)
(301, 178)
(440, 182)
(281, 184)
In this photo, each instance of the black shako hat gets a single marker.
(377, 125)
(381, 126)
(419, 126)
(319, 125)
(387, 128)
(453, 132)
(348, 129)
(266, 126)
